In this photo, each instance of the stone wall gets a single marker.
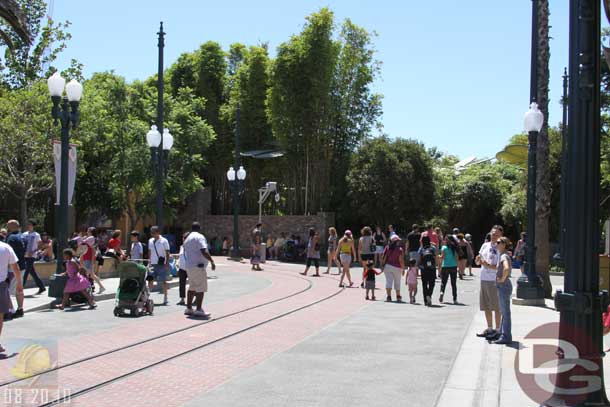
(222, 225)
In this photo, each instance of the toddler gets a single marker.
(368, 275)
(411, 280)
(76, 281)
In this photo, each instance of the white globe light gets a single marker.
(56, 84)
(168, 140)
(241, 173)
(534, 119)
(277, 197)
(74, 90)
(231, 174)
(153, 137)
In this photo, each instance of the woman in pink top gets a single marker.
(76, 281)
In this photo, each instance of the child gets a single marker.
(411, 279)
(76, 281)
(368, 275)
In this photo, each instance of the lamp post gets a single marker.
(160, 145)
(564, 171)
(236, 183)
(581, 303)
(529, 285)
(65, 110)
(159, 159)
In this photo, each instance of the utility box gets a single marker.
(604, 272)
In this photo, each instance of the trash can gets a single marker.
(263, 252)
(604, 272)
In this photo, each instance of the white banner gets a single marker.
(71, 170)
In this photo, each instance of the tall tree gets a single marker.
(26, 167)
(543, 190)
(12, 15)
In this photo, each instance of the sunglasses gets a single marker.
(499, 242)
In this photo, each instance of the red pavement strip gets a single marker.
(182, 378)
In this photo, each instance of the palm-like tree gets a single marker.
(11, 13)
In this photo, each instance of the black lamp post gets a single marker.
(529, 285)
(157, 155)
(65, 110)
(236, 183)
(560, 256)
(580, 378)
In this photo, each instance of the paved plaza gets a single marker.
(276, 339)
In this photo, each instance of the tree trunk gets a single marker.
(543, 186)
(23, 208)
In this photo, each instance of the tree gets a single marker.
(27, 62)
(12, 15)
(26, 167)
(390, 181)
(543, 191)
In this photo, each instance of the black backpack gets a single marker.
(428, 259)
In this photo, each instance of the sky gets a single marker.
(455, 74)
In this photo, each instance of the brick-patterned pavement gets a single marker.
(223, 359)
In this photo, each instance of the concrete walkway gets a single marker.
(485, 375)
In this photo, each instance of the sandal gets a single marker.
(351, 284)
(93, 306)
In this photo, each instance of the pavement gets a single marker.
(324, 346)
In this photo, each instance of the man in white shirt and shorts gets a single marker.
(8, 264)
(196, 256)
(488, 259)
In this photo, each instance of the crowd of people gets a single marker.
(423, 254)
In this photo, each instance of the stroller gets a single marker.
(132, 297)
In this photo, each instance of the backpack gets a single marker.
(428, 260)
(462, 252)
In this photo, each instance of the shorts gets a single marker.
(5, 298)
(198, 279)
(159, 273)
(369, 284)
(314, 260)
(367, 256)
(379, 249)
(87, 265)
(12, 288)
(488, 297)
(346, 259)
(393, 276)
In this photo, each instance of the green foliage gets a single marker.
(26, 63)
(390, 181)
(26, 129)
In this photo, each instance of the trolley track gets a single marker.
(166, 334)
(92, 388)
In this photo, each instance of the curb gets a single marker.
(103, 297)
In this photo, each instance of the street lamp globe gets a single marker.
(533, 119)
(56, 84)
(74, 90)
(241, 173)
(231, 174)
(168, 140)
(153, 137)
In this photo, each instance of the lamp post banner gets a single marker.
(71, 170)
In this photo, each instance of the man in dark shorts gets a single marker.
(413, 244)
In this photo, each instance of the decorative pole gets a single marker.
(160, 172)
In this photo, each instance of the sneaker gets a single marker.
(388, 299)
(181, 302)
(503, 341)
(18, 313)
(201, 314)
(9, 316)
(40, 291)
(485, 333)
(455, 302)
(440, 299)
(429, 300)
(493, 336)
(188, 311)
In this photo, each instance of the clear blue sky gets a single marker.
(455, 73)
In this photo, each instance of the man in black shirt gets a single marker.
(15, 240)
(412, 246)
